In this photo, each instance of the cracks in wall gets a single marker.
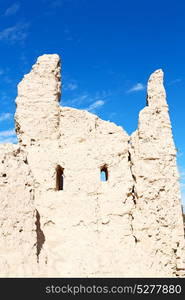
(132, 193)
(80, 223)
(132, 228)
(40, 235)
(177, 269)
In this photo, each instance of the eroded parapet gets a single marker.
(38, 113)
(154, 126)
(157, 222)
(18, 240)
(55, 205)
(156, 95)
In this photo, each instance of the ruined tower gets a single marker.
(58, 214)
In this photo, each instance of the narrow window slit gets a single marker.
(104, 173)
(59, 178)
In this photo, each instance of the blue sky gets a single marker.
(108, 49)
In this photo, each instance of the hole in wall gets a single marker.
(104, 173)
(59, 178)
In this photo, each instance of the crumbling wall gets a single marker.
(130, 225)
(17, 217)
(157, 218)
(37, 115)
(90, 218)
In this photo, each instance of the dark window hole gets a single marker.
(104, 173)
(59, 178)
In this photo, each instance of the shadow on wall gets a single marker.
(40, 235)
(59, 178)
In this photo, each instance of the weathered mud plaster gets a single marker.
(17, 217)
(38, 112)
(157, 218)
(58, 218)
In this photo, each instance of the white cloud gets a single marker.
(87, 100)
(137, 87)
(8, 136)
(12, 140)
(7, 133)
(95, 105)
(77, 100)
(12, 10)
(70, 86)
(5, 116)
(174, 81)
(4, 97)
(15, 33)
